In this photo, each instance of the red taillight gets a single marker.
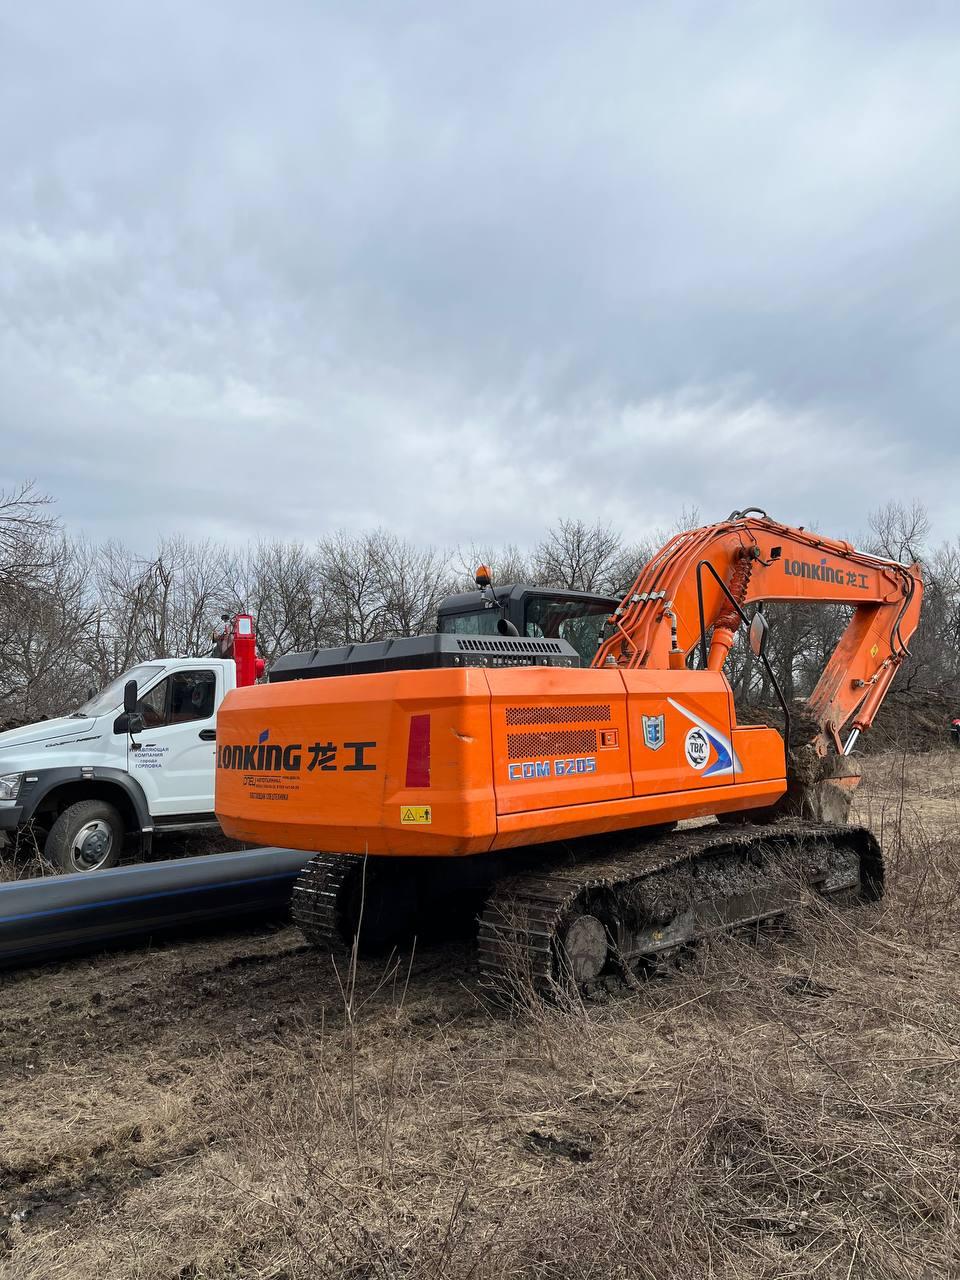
(418, 752)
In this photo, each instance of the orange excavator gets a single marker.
(485, 767)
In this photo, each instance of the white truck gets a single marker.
(136, 759)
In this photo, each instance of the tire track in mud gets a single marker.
(27, 1195)
(218, 1002)
(218, 995)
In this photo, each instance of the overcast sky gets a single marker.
(460, 268)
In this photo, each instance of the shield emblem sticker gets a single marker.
(654, 732)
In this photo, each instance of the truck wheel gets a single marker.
(87, 836)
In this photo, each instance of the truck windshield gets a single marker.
(110, 696)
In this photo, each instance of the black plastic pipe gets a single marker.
(56, 916)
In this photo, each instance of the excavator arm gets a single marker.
(676, 601)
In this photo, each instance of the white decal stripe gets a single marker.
(735, 765)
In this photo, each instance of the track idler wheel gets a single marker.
(583, 949)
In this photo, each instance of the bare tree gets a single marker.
(45, 634)
(349, 566)
(25, 529)
(165, 604)
(282, 585)
(578, 556)
(507, 564)
(899, 532)
(411, 581)
(71, 616)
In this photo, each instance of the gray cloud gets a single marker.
(458, 269)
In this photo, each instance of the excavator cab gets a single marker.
(579, 617)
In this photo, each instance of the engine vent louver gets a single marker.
(499, 644)
(598, 713)
(559, 742)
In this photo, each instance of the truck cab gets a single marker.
(575, 616)
(137, 758)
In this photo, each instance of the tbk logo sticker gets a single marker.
(706, 748)
(697, 748)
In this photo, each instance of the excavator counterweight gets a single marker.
(540, 791)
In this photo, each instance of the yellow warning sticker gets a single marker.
(874, 651)
(415, 815)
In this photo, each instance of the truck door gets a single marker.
(175, 762)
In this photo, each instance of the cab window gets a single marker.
(480, 622)
(579, 622)
(180, 698)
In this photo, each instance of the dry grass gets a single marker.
(21, 857)
(784, 1110)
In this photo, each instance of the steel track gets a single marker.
(317, 904)
(652, 897)
(655, 899)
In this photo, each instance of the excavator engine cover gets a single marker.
(419, 653)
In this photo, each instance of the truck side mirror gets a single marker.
(128, 722)
(131, 721)
(758, 634)
(130, 696)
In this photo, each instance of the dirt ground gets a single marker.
(243, 1107)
